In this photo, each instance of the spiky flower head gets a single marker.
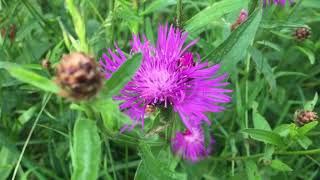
(305, 117)
(169, 76)
(79, 76)
(190, 144)
(282, 2)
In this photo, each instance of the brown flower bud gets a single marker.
(305, 117)
(79, 76)
(302, 33)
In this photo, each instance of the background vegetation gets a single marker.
(272, 75)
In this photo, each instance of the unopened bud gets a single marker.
(79, 76)
(305, 117)
(302, 33)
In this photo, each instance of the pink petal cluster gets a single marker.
(169, 76)
(190, 145)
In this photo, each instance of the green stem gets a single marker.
(79, 25)
(228, 158)
(179, 14)
(246, 115)
(111, 13)
(29, 137)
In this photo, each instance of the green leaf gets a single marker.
(260, 122)
(111, 115)
(141, 172)
(7, 162)
(123, 75)
(153, 168)
(308, 53)
(310, 4)
(252, 170)
(252, 5)
(211, 13)
(307, 127)
(234, 48)
(269, 150)
(269, 44)
(265, 136)
(27, 115)
(86, 150)
(79, 25)
(309, 105)
(30, 77)
(263, 66)
(149, 30)
(304, 141)
(283, 130)
(157, 5)
(286, 73)
(280, 166)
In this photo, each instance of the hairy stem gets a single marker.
(179, 14)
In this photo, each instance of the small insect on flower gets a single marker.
(78, 76)
(302, 33)
(190, 145)
(241, 18)
(169, 76)
(305, 117)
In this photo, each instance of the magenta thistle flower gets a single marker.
(169, 76)
(190, 145)
(282, 2)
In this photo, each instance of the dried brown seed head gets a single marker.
(79, 76)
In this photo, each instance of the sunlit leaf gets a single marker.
(30, 77)
(265, 136)
(234, 48)
(211, 13)
(280, 166)
(86, 150)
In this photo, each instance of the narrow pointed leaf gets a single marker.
(123, 75)
(265, 136)
(30, 77)
(234, 48)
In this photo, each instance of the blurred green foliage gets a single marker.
(271, 73)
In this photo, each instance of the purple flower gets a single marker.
(169, 76)
(191, 144)
(282, 2)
